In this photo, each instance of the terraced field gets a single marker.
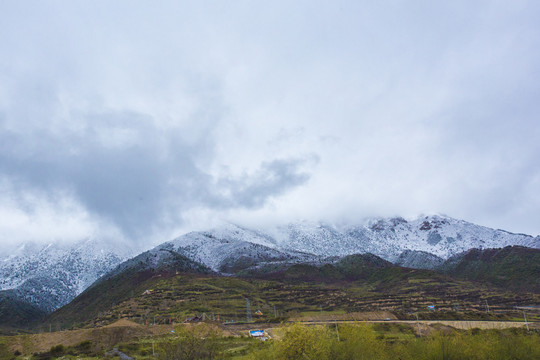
(165, 297)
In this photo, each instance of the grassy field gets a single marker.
(354, 340)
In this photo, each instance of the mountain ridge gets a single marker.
(513, 267)
(50, 276)
(359, 282)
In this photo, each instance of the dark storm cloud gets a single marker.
(152, 176)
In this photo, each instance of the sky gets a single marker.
(143, 120)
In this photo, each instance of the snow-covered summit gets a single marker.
(230, 247)
(225, 248)
(440, 235)
(51, 275)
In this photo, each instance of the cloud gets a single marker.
(273, 178)
(119, 167)
(145, 118)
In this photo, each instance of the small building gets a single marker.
(256, 333)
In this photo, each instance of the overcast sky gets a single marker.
(143, 120)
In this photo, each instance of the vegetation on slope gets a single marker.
(335, 341)
(364, 342)
(15, 313)
(512, 267)
(165, 296)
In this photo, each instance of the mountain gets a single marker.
(388, 238)
(361, 266)
(312, 265)
(232, 248)
(16, 313)
(52, 275)
(49, 276)
(418, 260)
(422, 243)
(161, 258)
(512, 267)
(131, 278)
(154, 287)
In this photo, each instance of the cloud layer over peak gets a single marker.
(149, 120)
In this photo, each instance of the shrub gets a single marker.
(57, 350)
(190, 343)
(362, 342)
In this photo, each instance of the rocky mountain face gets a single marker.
(418, 260)
(49, 276)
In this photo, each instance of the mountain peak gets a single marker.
(50, 275)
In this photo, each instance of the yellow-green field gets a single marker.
(351, 340)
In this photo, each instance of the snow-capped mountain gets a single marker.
(422, 243)
(418, 260)
(49, 276)
(52, 275)
(388, 238)
(232, 248)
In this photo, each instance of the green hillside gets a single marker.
(347, 286)
(17, 314)
(512, 267)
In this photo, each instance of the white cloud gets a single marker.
(32, 216)
(142, 113)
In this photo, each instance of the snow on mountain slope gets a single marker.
(388, 238)
(50, 276)
(322, 239)
(418, 260)
(231, 248)
(443, 236)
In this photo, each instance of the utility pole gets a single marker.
(275, 314)
(487, 306)
(248, 311)
(418, 323)
(526, 323)
(337, 330)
